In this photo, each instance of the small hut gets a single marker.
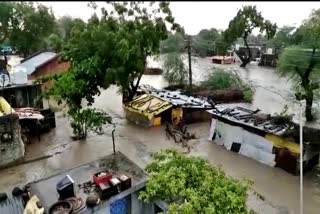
(147, 110)
(191, 109)
(261, 138)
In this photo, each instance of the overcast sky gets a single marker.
(195, 16)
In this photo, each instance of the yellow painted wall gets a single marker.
(5, 107)
(280, 142)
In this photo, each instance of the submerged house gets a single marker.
(242, 131)
(147, 110)
(190, 109)
(154, 107)
(72, 188)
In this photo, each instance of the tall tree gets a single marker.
(55, 42)
(302, 63)
(114, 49)
(242, 25)
(6, 15)
(172, 50)
(30, 26)
(283, 38)
(208, 42)
(174, 43)
(63, 32)
(175, 69)
(66, 24)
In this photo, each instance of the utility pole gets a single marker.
(189, 57)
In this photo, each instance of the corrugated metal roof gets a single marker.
(177, 98)
(31, 64)
(13, 205)
(247, 117)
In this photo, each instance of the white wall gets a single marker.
(252, 145)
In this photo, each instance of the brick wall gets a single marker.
(53, 67)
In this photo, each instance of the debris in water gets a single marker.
(180, 134)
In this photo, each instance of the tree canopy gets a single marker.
(192, 185)
(113, 50)
(66, 24)
(283, 38)
(302, 63)
(209, 42)
(63, 32)
(6, 11)
(242, 25)
(29, 26)
(174, 43)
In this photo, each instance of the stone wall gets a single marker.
(11, 150)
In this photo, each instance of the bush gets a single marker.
(248, 94)
(192, 185)
(84, 120)
(220, 79)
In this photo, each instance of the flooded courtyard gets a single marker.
(279, 189)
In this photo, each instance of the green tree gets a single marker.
(192, 185)
(84, 120)
(174, 43)
(110, 50)
(283, 38)
(55, 42)
(205, 42)
(302, 63)
(117, 46)
(175, 70)
(65, 26)
(70, 90)
(242, 25)
(30, 26)
(172, 49)
(6, 15)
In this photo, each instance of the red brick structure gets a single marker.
(44, 63)
(50, 67)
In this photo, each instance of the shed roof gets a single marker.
(148, 105)
(247, 118)
(31, 63)
(177, 98)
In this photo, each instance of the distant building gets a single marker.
(41, 64)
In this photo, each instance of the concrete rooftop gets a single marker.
(116, 163)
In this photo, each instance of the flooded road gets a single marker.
(279, 188)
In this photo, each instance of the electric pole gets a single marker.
(189, 57)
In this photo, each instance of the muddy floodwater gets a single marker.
(279, 189)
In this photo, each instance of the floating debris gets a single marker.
(180, 134)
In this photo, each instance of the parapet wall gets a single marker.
(11, 145)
